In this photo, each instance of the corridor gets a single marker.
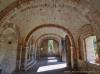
(49, 36)
(49, 65)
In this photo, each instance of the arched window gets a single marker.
(91, 49)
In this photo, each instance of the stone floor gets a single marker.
(49, 63)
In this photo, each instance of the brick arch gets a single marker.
(17, 4)
(84, 34)
(52, 26)
(79, 8)
(46, 35)
(50, 37)
(45, 39)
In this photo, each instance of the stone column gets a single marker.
(23, 57)
(69, 58)
(26, 54)
(19, 52)
(72, 59)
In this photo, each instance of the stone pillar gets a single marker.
(26, 54)
(18, 61)
(23, 58)
(98, 50)
(72, 59)
(69, 58)
(60, 49)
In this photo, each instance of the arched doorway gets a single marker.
(50, 26)
(55, 43)
(49, 48)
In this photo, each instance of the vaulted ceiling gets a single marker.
(28, 14)
(5, 3)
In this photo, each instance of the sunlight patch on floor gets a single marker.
(51, 67)
(51, 57)
(93, 62)
(54, 60)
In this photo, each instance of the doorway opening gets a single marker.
(50, 47)
(50, 57)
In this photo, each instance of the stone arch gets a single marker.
(84, 32)
(46, 38)
(52, 36)
(46, 35)
(46, 45)
(17, 5)
(54, 26)
(43, 26)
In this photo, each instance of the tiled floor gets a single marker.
(49, 63)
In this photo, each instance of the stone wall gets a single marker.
(8, 51)
(84, 32)
(88, 67)
(84, 66)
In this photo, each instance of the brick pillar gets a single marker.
(98, 48)
(97, 26)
